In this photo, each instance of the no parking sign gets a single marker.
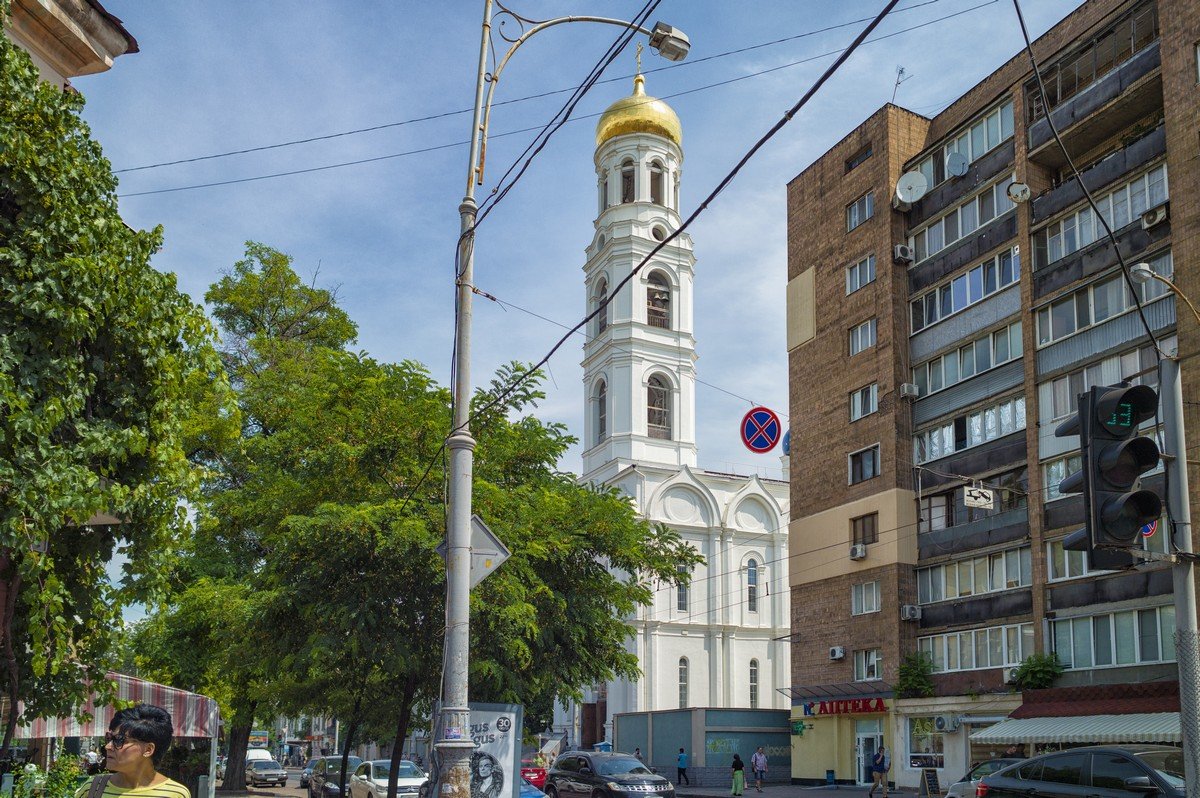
(761, 430)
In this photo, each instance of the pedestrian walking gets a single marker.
(880, 765)
(681, 762)
(637, 754)
(758, 763)
(739, 776)
(137, 741)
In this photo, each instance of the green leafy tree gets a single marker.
(101, 357)
(1039, 671)
(914, 678)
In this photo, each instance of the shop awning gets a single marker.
(1149, 727)
(194, 715)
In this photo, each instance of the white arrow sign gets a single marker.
(487, 551)
(979, 497)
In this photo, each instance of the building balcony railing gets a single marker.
(1002, 527)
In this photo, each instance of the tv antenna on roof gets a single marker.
(900, 78)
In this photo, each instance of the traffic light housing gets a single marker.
(1114, 458)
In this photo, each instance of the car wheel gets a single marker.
(551, 792)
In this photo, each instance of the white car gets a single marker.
(370, 779)
(965, 787)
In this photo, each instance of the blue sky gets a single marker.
(223, 75)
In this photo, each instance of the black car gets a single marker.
(325, 781)
(306, 774)
(1102, 771)
(585, 774)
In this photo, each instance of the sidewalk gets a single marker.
(788, 791)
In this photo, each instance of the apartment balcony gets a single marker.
(1098, 256)
(1129, 586)
(1006, 527)
(950, 191)
(1127, 94)
(975, 610)
(965, 324)
(964, 252)
(1116, 333)
(1125, 161)
(968, 392)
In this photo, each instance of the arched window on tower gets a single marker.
(600, 303)
(627, 171)
(658, 301)
(754, 684)
(658, 408)
(604, 193)
(752, 586)
(683, 682)
(658, 183)
(601, 411)
(675, 204)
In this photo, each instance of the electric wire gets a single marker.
(537, 96)
(718, 84)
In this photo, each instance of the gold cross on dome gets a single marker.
(639, 58)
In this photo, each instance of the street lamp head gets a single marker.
(1141, 273)
(671, 43)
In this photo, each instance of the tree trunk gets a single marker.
(10, 588)
(406, 700)
(351, 728)
(235, 765)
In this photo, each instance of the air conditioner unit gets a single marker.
(910, 612)
(946, 723)
(900, 205)
(902, 253)
(837, 652)
(1010, 675)
(1155, 216)
(910, 390)
(858, 551)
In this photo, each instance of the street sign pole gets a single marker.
(1187, 641)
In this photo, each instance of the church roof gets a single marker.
(639, 113)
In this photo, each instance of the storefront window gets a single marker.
(925, 746)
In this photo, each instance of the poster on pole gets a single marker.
(496, 761)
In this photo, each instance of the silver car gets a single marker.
(370, 779)
(263, 772)
(965, 787)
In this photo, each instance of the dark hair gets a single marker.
(148, 724)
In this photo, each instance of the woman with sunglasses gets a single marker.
(136, 742)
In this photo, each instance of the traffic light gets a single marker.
(1114, 458)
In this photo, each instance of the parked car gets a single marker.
(528, 790)
(592, 774)
(370, 779)
(535, 773)
(325, 781)
(255, 754)
(306, 774)
(1111, 771)
(265, 772)
(965, 787)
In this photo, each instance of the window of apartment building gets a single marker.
(985, 352)
(994, 274)
(754, 684)
(860, 210)
(860, 274)
(979, 138)
(962, 220)
(970, 429)
(1102, 54)
(752, 586)
(865, 529)
(926, 746)
(858, 158)
(864, 465)
(1096, 303)
(990, 573)
(683, 682)
(974, 649)
(681, 588)
(1063, 564)
(868, 665)
(864, 598)
(862, 337)
(658, 301)
(1056, 470)
(1119, 208)
(864, 401)
(1114, 639)
(658, 408)
(948, 508)
(1058, 398)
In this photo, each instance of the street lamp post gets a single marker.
(454, 744)
(1187, 639)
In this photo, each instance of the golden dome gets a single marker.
(639, 113)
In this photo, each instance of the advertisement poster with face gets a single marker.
(496, 761)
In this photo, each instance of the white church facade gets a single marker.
(723, 640)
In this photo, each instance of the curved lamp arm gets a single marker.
(1175, 290)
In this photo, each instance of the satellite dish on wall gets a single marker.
(911, 187)
(1018, 192)
(956, 164)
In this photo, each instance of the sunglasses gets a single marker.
(118, 741)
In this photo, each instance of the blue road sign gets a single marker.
(761, 430)
(1149, 529)
(787, 443)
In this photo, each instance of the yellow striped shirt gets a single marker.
(168, 789)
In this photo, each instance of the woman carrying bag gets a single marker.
(739, 776)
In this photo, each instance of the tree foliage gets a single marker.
(101, 359)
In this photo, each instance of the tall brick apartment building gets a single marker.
(950, 335)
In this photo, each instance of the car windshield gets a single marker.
(264, 764)
(1169, 765)
(619, 766)
(408, 770)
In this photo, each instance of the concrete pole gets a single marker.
(455, 745)
(1187, 641)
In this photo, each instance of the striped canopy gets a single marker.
(193, 715)
(1150, 727)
